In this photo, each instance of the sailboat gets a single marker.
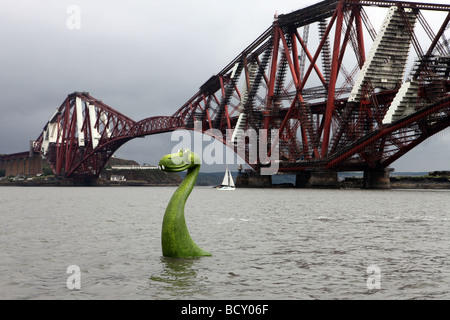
(227, 182)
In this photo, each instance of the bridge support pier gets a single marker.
(82, 181)
(377, 179)
(317, 179)
(253, 181)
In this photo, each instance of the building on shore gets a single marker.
(28, 163)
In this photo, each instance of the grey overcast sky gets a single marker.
(142, 57)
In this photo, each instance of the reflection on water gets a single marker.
(177, 277)
(266, 244)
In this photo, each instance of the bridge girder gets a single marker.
(343, 106)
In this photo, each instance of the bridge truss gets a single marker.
(349, 98)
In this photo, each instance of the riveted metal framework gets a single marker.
(341, 94)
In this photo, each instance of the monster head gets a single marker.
(182, 160)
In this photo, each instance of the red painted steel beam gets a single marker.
(318, 51)
(295, 71)
(383, 132)
(403, 150)
(404, 4)
(273, 67)
(311, 58)
(333, 78)
(433, 45)
(360, 37)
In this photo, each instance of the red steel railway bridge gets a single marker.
(342, 95)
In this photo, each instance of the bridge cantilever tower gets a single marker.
(84, 133)
(351, 98)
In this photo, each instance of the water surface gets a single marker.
(266, 244)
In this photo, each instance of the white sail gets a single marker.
(227, 183)
(225, 178)
(231, 180)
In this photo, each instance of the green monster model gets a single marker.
(175, 238)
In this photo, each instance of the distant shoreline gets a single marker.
(397, 182)
(96, 184)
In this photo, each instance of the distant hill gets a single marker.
(158, 176)
(150, 176)
(113, 161)
(209, 178)
(213, 178)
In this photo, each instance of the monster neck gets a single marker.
(188, 183)
(175, 238)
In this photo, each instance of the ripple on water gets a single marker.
(276, 244)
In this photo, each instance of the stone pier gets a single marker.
(253, 181)
(317, 179)
(377, 179)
